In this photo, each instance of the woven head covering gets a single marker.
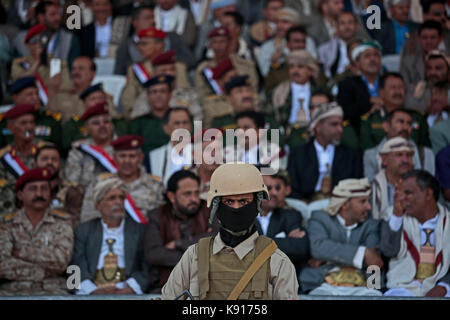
(345, 190)
(103, 186)
(324, 111)
(305, 59)
(396, 144)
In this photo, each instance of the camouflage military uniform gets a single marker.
(21, 65)
(81, 168)
(68, 199)
(48, 128)
(146, 191)
(7, 196)
(151, 128)
(372, 129)
(34, 260)
(242, 66)
(133, 87)
(74, 130)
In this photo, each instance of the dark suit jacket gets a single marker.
(354, 99)
(285, 220)
(386, 35)
(88, 242)
(87, 40)
(303, 168)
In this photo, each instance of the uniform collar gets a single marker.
(241, 249)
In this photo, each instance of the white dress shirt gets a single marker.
(300, 91)
(166, 19)
(264, 222)
(358, 259)
(324, 156)
(88, 286)
(102, 37)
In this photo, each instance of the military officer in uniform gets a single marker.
(91, 156)
(238, 262)
(145, 189)
(159, 92)
(75, 128)
(18, 156)
(34, 65)
(48, 123)
(35, 242)
(150, 45)
(219, 39)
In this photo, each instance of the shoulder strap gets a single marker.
(254, 267)
(203, 249)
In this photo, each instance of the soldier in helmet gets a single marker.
(221, 267)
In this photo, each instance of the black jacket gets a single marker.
(303, 167)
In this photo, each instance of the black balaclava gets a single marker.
(237, 224)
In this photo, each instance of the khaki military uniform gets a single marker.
(80, 167)
(282, 280)
(69, 104)
(180, 97)
(42, 253)
(133, 87)
(147, 192)
(20, 68)
(215, 106)
(242, 66)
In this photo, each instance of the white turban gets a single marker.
(345, 190)
(396, 144)
(322, 112)
(103, 186)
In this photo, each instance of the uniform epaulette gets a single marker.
(76, 118)
(78, 143)
(9, 216)
(105, 175)
(365, 116)
(42, 143)
(229, 126)
(3, 182)
(55, 115)
(345, 123)
(59, 213)
(157, 178)
(212, 97)
(5, 150)
(1, 116)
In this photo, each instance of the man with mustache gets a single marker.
(240, 97)
(322, 162)
(18, 156)
(396, 159)
(48, 123)
(176, 225)
(392, 94)
(75, 128)
(91, 156)
(416, 239)
(109, 249)
(281, 222)
(35, 242)
(398, 123)
(344, 240)
(65, 195)
(145, 189)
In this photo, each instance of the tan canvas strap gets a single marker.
(254, 267)
(203, 253)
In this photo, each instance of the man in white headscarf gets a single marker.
(343, 242)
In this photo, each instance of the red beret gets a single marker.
(34, 31)
(152, 33)
(96, 110)
(222, 68)
(36, 174)
(19, 110)
(219, 31)
(127, 142)
(164, 58)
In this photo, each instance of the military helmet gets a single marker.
(236, 178)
